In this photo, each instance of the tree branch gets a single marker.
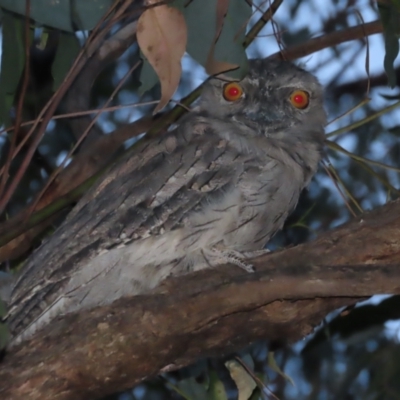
(329, 40)
(208, 313)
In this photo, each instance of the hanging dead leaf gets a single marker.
(214, 67)
(275, 367)
(244, 382)
(162, 36)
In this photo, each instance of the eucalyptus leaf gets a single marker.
(216, 389)
(67, 50)
(12, 63)
(148, 77)
(4, 332)
(229, 46)
(244, 381)
(200, 17)
(65, 15)
(4, 335)
(3, 309)
(390, 97)
(390, 16)
(190, 389)
(275, 367)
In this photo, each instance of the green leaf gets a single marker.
(65, 15)
(390, 16)
(200, 16)
(4, 332)
(4, 335)
(216, 389)
(148, 77)
(67, 50)
(390, 97)
(189, 389)
(3, 308)
(12, 63)
(229, 46)
(275, 367)
(76, 20)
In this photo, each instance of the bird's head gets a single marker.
(276, 99)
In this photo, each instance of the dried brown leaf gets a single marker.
(244, 382)
(162, 36)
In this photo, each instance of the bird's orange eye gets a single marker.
(300, 99)
(232, 91)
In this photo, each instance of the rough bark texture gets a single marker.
(209, 313)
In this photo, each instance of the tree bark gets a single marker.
(207, 313)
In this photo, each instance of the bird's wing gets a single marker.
(146, 194)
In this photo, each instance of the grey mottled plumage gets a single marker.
(211, 191)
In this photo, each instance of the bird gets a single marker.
(212, 190)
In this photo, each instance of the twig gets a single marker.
(363, 121)
(61, 166)
(49, 109)
(265, 18)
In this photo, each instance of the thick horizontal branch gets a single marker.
(359, 86)
(208, 313)
(330, 40)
